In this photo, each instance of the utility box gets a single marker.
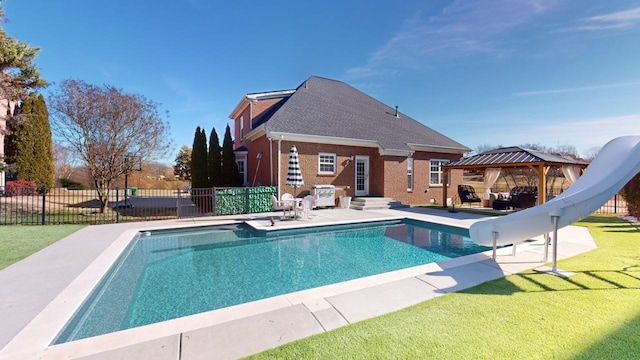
(325, 195)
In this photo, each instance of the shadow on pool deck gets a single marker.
(32, 288)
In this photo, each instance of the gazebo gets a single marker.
(491, 163)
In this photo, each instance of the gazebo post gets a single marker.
(542, 183)
(445, 174)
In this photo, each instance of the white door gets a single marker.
(362, 175)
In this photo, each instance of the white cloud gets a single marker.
(617, 20)
(621, 20)
(464, 28)
(576, 89)
(583, 134)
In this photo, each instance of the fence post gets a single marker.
(117, 209)
(615, 203)
(178, 204)
(215, 202)
(44, 199)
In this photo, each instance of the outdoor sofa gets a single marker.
(520, 197)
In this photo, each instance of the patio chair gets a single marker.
(308, 203)
(285, 206)
(289, 199)
(468, 194)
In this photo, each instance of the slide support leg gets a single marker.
(546, 247)
(495, 243)
(554, 266)
(513, 249)
(554, 220)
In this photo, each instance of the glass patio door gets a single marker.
(362, 175)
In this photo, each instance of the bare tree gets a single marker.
(64, 161)
(104, 126)
(591, 153)
(486, 147)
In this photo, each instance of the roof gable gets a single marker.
(329, 108)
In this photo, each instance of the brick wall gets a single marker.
(388, 175)
(249, 112)
(395, 178)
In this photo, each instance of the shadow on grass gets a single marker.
(90, 204)
(532, 282)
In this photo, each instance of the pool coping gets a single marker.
(327, 301)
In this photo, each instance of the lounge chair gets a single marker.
(468, 194)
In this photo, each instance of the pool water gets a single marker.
(173, 273)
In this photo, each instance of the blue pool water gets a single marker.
(174, 273)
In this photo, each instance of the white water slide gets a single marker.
(617, 163)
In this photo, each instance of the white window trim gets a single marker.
(444, 181)
(335, 160)
(243, 160)
(410, 172)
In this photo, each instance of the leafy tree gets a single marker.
(103, 125)
(182, 168)
(230, 173)
(18, 76)
(215, 160)
(18, 73)
(199, 173)
(31, 143)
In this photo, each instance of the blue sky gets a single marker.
(481, 72)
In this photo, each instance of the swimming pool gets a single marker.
(173, 273)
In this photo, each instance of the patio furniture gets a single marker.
(284, 205)
(308, 203)
(295, 203)
(520, 197)
(468, 194)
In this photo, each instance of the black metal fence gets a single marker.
(616, 205)
(63, 206)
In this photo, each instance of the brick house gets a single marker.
(344, 138)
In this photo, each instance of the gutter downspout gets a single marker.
(250, 115)
(271, 162)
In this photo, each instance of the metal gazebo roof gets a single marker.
(514, 157)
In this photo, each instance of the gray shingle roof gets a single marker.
(325, 107)
(514, 155)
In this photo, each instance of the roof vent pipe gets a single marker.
(397, 111)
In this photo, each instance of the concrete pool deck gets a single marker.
(39, 293)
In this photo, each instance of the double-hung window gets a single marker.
(410, 174)
(326, 163)
(435, 172)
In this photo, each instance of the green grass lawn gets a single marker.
(19, 241)
(595, 314)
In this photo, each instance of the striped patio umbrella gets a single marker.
(294, 175)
